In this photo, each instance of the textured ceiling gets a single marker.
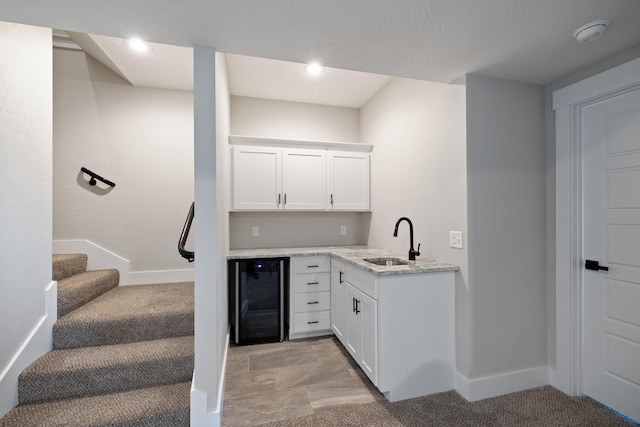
(438, 40)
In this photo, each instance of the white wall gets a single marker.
(419, 171)
(139, 138)
(506, 219)
(292, 229)
(25, 197)
(295, 120)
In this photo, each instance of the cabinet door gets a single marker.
(349, 181)
(353, 338)
(369, 330)
(338, 305)
(304, 179)
(257, 178)
(362, 331)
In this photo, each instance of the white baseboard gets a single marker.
(160, 276)
(199, 408)
(101, 258)
(37, 343)
(498, 385)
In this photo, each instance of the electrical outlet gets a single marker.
(255, 231)
(455, 239)
(343, 230)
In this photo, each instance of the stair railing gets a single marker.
(94, 176)
(188, 255)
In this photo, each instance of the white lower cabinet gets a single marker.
(338, 300)
(398, 328)
(362, 334)
(309, 296)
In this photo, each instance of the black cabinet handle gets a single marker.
(313, 302)
(279, 199)
(594, 265)
(353, 304)
(312, 283)
(341, 273)
(332, 200)
(312, 322)
(285, 198)
(357, 304)
(313, 266)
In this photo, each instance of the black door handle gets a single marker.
(594, 265)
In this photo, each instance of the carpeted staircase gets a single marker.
(123, 355)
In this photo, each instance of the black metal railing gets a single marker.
(95, 178)
(188, 255)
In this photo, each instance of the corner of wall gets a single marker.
(102, 258)
(38, 342)
(498, 385)
(199, 408)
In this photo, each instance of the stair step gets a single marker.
(128, 314)
(166, 405)
(88, 371)
(66, 265)
(77, 290)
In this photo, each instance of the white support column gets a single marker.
(205, 410)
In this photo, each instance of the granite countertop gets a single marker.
(353, 255)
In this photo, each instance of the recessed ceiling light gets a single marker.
(591, 31)
(314, 68)
(138, 45)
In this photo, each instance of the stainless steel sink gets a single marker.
(388, 262)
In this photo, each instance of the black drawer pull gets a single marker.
(312, 322)
(313, 302)
(312, 283)
(313, 266)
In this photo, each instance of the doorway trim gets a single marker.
(566, 375)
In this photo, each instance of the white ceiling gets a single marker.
(438, 40)
(171, 67)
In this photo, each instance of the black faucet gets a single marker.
(412, 253)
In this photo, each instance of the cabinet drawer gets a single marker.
(311, 264)
(312, 282)
(316, 321)
(366, 282)
(313, 301)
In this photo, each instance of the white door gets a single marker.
(304, 179)
(611, 196)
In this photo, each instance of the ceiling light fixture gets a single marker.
(138, 45)
(314, 69)
(591, 31)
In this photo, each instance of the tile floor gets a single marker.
(272, 382)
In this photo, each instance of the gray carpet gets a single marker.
(161, 406)
(128, 314)
(124, 355)
(97, 370)
(66, 265)
(77, 290)
(544, 406)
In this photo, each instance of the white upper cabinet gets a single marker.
(349, 181)
(299, 175)
(304, 179)
(257, 178)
